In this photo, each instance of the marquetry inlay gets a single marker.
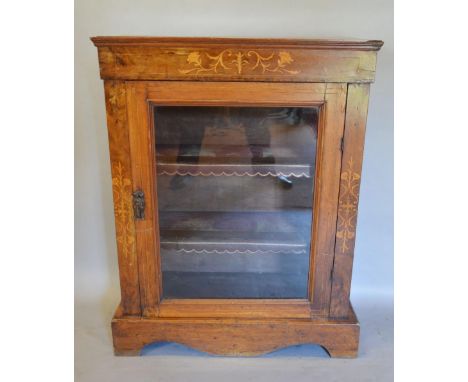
(347, 207)
(123, 209)
(239, 62)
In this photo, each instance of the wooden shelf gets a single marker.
(234, 160)
(254, 233)
(172, 169)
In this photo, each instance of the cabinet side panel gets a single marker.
(350, 179)
(327, 188)
(143, 173)
(122, 193)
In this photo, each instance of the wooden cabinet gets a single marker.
(235, 170)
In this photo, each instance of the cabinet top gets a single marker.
(236, 59)
(331, 44)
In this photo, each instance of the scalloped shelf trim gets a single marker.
(238, 252)
(234, 173)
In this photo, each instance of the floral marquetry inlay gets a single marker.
(347, 207)
(231, 62)
(123, 209)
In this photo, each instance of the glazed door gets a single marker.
(235, 199)
(239, 183)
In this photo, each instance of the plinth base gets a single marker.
(236, 337)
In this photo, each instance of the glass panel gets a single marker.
(235, 192)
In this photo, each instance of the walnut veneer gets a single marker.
(333, 76)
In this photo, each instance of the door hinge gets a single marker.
(139, 204)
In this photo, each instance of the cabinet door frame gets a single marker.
(140, 97)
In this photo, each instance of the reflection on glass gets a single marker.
(235, 191)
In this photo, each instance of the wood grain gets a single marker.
(236, 308)
(353, 148)
(237, 337)
(331, 126)
(143, 172)
(326, 44)
(139, 58)
(234, 93)
(121, 168)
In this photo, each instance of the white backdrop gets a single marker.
(96, 272)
